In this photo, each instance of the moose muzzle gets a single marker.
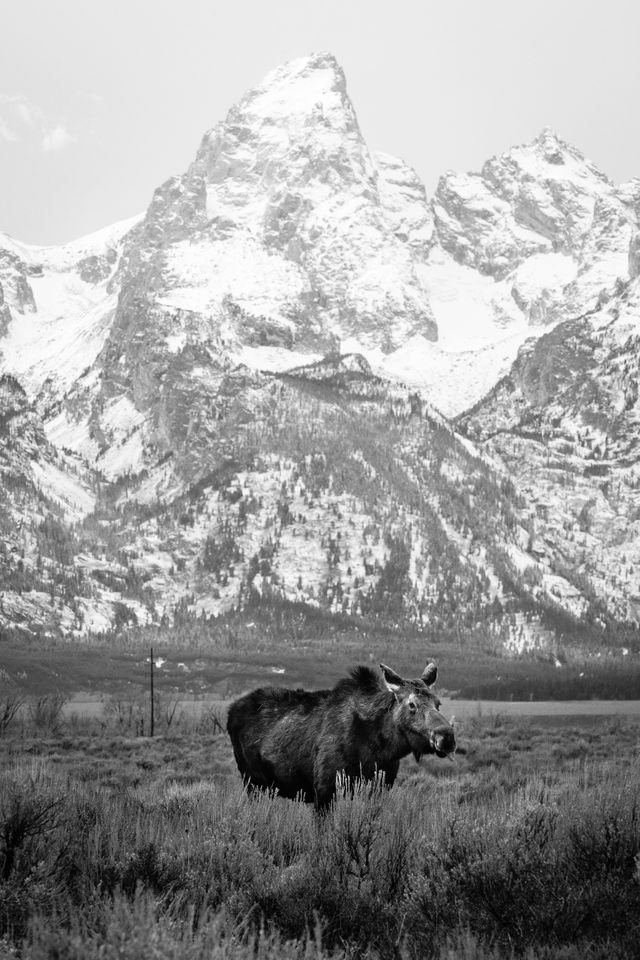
(443, 741)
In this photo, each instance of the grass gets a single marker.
(239, 654)
(115, 845)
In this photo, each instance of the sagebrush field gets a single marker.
(116, 845)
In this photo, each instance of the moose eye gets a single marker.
(412, 706)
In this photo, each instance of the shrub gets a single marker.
(10, 707)
(45, 712)
(490, 864)
(30, 812)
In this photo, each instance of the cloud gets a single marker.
(11, 119)
(26, 122)
(7, 133)
(27, 112)
(56, 139)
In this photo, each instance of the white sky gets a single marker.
(102, 101)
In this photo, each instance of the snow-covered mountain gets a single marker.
(538, 237)
(565, 424)
(287, 237)
(285, 230)
(241, 392)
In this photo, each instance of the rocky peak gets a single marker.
(285, 223)
(295, 132)
(547, 158)
(535, 198)
(300, 88)
(404, 199)
(550, 147)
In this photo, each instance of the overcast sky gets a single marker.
(102, 101)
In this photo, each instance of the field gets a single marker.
(118, 845)
(296, 645)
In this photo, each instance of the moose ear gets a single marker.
(392, 679)
(430, 674)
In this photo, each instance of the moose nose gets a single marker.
(445, 740)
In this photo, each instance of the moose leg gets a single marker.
(325, 767)
(390, 773)
(252, 787)
(257, 774)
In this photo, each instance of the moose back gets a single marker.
(296, 741)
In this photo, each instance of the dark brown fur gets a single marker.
(296, 741)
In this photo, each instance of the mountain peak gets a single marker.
(306, 85)
(300, 110)
(549, 145)
(548, 151)
(321, 61)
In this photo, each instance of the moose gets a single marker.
(296, 741)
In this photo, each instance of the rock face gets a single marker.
(533, 199)
(634, 257)
(16, 287)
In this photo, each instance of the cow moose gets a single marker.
(296, 741)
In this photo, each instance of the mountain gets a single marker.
(242, 395)
(284, 231)
(538, 237)
(565, 424)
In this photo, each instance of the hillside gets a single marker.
(564, 424)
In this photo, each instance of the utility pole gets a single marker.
(151, 689)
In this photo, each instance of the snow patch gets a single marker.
(63, 432)
(126, 457)
(64, 489)
(200, 275)
(452, 381)
(63, 337)
(273, 359)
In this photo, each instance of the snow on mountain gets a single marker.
(452, 380)
(199, 275)
(67, 255)
(539, 283)
(60, 306)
